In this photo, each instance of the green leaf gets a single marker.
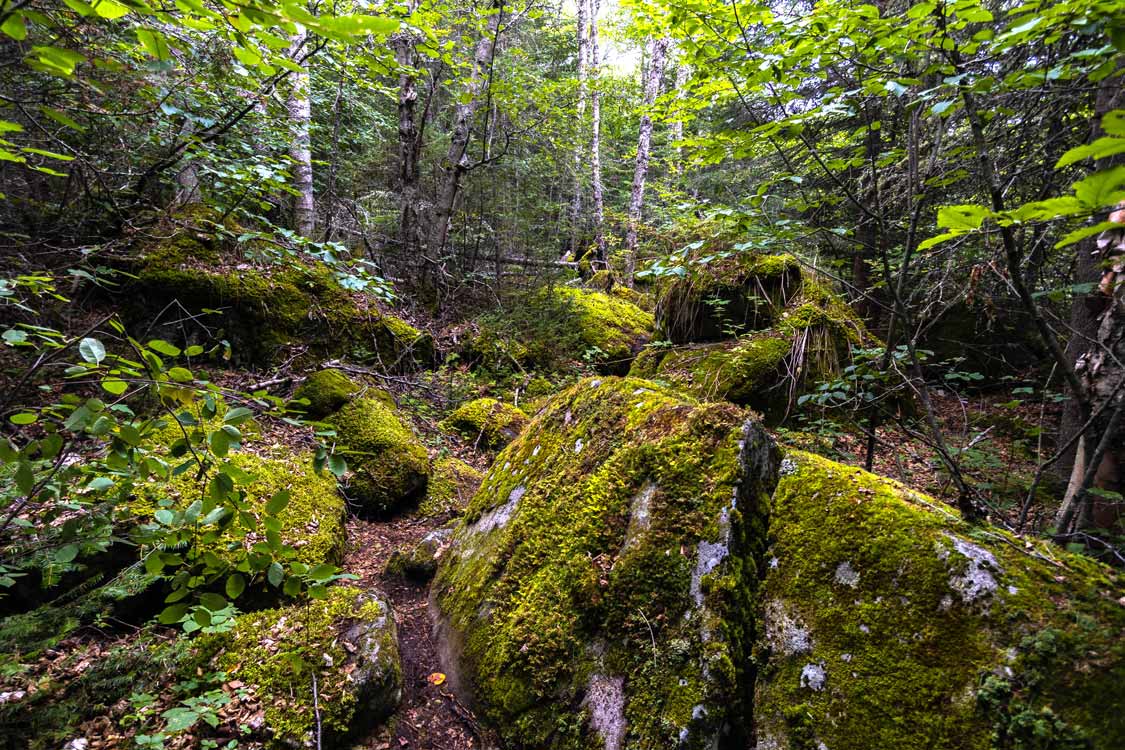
(165, 516)
(1099, 149)
(163, 347)
(181, 374)
(172, 615)
(236, 584)
(91, 350)
(154, 565)
(275, 574)
(219, 442)
(322, 572)
(237, 415)
(278, 502)
(15, 27)
(154, 43)
(63, 119)
(110, 9)
(337, 465)
(964, 218)
(116, 386)
(66, 553)
(25, 417)
(213, 602)
(1080, 234)
(1102, 188)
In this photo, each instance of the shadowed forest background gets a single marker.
(517, 374)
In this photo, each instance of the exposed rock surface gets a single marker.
(601, 582)
(890, 623)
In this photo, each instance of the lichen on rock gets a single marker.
(488, 423)
(612, 546)
(326, 391)
(389, 465)
(880, 602)
(347, 641)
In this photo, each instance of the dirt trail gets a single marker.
(430, 716)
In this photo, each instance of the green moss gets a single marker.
(452, 483)
(326, 391)
(348, 639)
(578, 562)
(561, 329)
(389, 465)
(487, 422)
(891, 623)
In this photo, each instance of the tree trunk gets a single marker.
(580, 112)
(300, 117)
(596, 142)
(656, 51)
(404, 44)
(456, 159)
(682, 73)
(187, 179)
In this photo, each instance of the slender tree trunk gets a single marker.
(580, 111)
(682, 73)
(404, 44)
(456, 160)
(300, 117)
(187, 179)
(656, 52)
(596, 187)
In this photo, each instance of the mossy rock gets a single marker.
(452, 483)
(326, 391)
(809, 341)
(348, 640)
(389, 465)
(727, 297)
(599, 589)
(487, 422)
(312, 524)
(890, 623)
(608, 282)
(420, 562)
(562, 329)
(261, 310)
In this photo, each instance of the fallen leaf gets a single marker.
(436, 678)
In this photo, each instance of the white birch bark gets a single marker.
(657, 48)
(596, 140)
(300, 150)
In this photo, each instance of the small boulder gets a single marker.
(388, 463)
(420, 562)
(325, 391)
(488, 423)
(887, 622)
(452, 483)
(347, 641)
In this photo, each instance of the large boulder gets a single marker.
(891, 623)
(344, 647)
(599, 589)
(389, 464)
(190, 288)
(562, 328)
(488, 423)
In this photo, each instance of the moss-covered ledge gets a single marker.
(890, 623)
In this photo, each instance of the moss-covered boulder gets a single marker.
(347, 641)
(808, 339)
(562, 328)
(728, 296)
(325, 391)
(452, 483)
(189, 288)
(890, 623)
(419, 563)
(389, 465)
(487, 422)
(599, 589)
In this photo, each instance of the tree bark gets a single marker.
(404, 44)
(682, 73)
(580, 112)
(656, 52)
(456, 159)
(300, 151)
(596, 187)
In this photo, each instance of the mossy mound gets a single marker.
(562, 329)
(807, 341)
(347, 640)
(890, 623)
(388, 464)
(260, 310)
(325, 391)
(487, 422)
(452, 482)
(608, 282)
(312, 523)
(600, 585)
(727, 297)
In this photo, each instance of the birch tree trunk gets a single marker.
(456, 160)
(580, 111)
(404, 44)
(300, 116)
(596, 141)
(657, 48)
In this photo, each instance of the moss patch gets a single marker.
(487, 422)
(388, 463)
(348, 640)
(601, 579)
(888, 622)
(326, 391)
(452, 483)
